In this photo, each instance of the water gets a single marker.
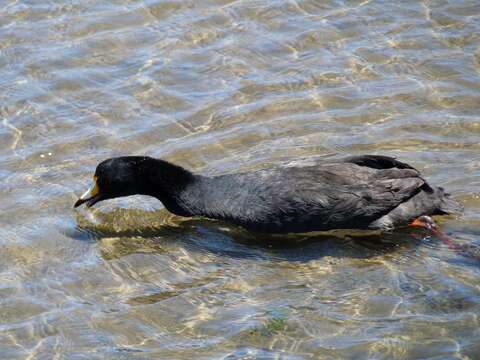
(218, 87)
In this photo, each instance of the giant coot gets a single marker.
(357, 192)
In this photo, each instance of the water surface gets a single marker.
(218, 87)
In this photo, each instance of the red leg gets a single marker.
(427, 222)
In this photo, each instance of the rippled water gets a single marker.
(221, 86)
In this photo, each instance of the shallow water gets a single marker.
(222, 86)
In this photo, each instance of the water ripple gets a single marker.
(222, 86)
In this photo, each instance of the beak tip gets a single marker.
(91, 196)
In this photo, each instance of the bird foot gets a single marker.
(425, 222)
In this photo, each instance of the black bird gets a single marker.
(358, 192)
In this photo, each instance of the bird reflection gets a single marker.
(122, 232)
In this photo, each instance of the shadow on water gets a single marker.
(137, 231)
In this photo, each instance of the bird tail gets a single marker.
(449, 205)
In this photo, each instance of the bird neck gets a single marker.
(173, 186)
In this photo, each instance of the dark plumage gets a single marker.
(358, 192)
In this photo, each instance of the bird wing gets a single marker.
(294, 199)
(334, 196)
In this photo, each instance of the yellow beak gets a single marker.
(90, 196)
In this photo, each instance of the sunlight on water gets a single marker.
(221, 86)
